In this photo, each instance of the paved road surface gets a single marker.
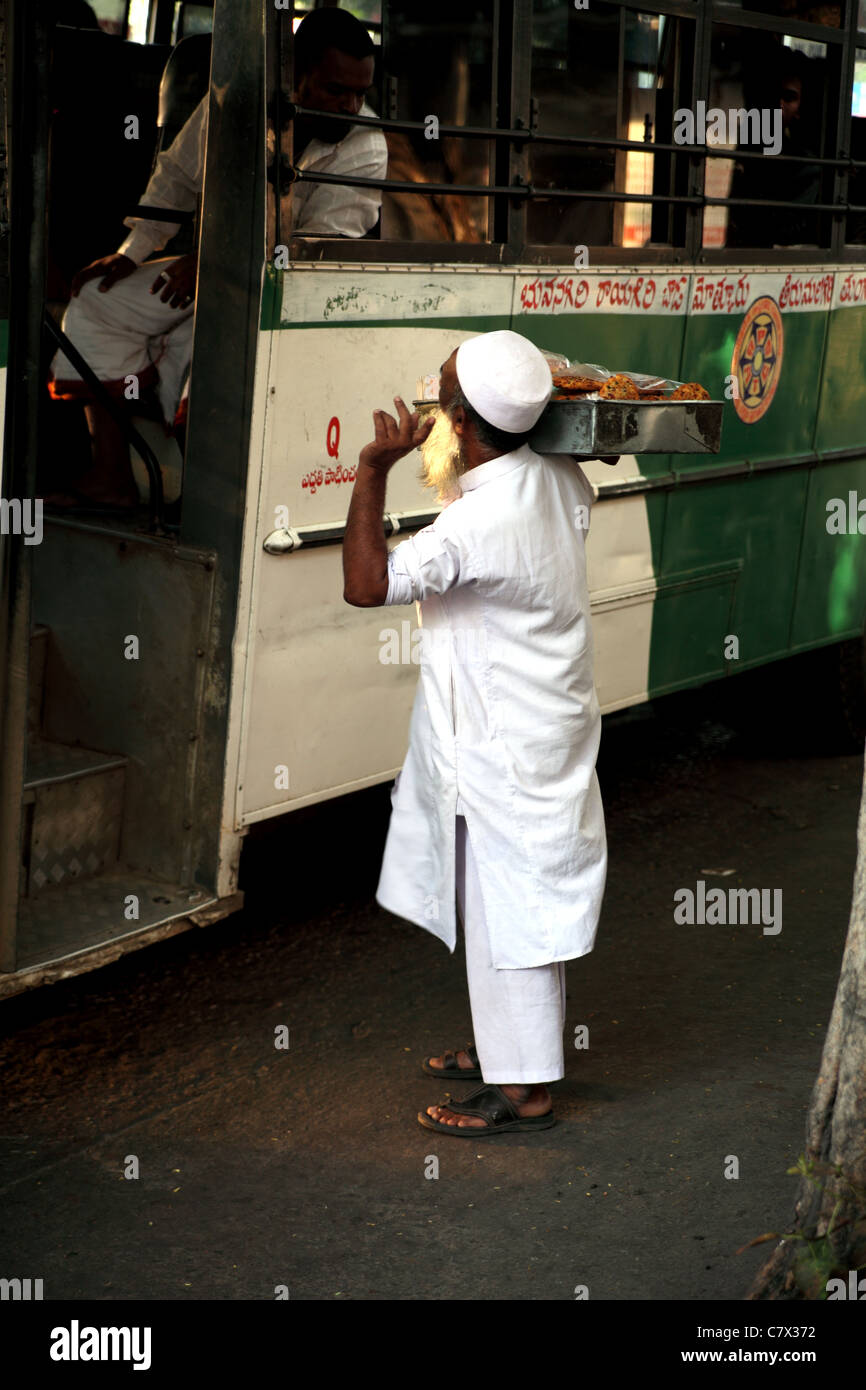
(306, 1167)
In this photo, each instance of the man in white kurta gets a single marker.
(498, 802)
(506, 718)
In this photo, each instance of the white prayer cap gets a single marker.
(505, 378)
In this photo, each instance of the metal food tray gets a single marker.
(629, 427)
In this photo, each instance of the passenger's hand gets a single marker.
(177, 282)
(393, 441)
(111, 268)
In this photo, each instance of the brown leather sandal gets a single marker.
(491, 1105)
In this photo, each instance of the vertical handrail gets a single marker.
(26, 115)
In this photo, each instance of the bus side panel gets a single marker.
(731, 548)
(831, 596)
(318, 670)
(633, 321)
(842, 409)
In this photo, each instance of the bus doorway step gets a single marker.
(77, 917)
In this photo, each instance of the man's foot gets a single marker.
(460, 1066)
(464, 1062)
(528, 1101)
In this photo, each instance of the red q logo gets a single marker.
(333, 440)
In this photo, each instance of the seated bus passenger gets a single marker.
(135, 320)
(792, 183)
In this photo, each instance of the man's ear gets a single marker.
(458, 420)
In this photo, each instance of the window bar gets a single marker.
(525, 191)
(516, 89)
(698, 162)
(527, 133)
(620, 163)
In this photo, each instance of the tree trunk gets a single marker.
(830, 1211)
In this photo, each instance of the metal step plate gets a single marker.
(65, 921)
(73, 800)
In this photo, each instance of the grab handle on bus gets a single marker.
(155, 500)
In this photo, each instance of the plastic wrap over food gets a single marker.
(585, 380)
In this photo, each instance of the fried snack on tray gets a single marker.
(567, 381)
(619, 388)
(690, 391)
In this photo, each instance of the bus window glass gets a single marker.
(191, 19)
(337, 69)
(574, 83)
(438, 71)
(137, 20)
(856, 229)
(772, 97)
(110, 14)
(828, 12)
(609, 73)
(369, 11)
(640, 82)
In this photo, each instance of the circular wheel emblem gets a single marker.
(757, 359)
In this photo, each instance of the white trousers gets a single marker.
(517, 1015)
(127, 331)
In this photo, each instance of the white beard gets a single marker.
(442, 454)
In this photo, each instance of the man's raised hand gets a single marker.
(111, 268)
(394, 440)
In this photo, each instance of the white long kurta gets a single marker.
(506, 716)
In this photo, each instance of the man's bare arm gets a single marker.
(365, 554)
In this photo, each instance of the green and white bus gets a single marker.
(173, 677)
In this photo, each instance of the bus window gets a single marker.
(438, 72)
(574, 68)
(804, 11)
(452, 86)
(335, 62)
(191, 19)
(856, 224)
(111, 15)
(789, 86)
(609, 73)
(612, 74)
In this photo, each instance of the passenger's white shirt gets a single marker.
(332, 209)
(326, 209)
(506, 716)
(175, 183)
